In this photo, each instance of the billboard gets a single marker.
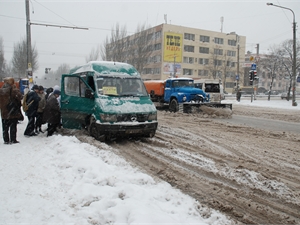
(169, 69)
(172, 47)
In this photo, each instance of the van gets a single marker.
(108, 99)
(211, 86)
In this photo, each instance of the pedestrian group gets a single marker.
(40, 108)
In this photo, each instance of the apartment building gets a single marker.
(196, 53)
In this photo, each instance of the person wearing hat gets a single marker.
(31, 113)
(52, 114)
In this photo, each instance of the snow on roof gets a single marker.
(106, 67)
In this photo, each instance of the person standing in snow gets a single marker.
(238, 95)
(31, 113)
(52, 113)
(10, 115)
(41, 107)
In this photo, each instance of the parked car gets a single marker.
(284, 95)
(272, 92)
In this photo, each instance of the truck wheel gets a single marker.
(173, 107)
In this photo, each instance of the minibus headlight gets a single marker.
(108, 117)
(152, 116)
(184, 98)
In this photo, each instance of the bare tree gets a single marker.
(114, 48)
(19, 60)
(62, 69)
(217, 61)
(94, 54)
(227, 68)
(286, 54)
(135, 49)
(141, 48)
(273, 63)
(2, 60)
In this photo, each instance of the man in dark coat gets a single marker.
(238, 95)
(9, 93)
(52, 113)
(31, 113)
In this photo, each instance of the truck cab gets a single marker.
(108, 99)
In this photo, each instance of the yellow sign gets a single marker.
(172, 47)
(110, 90)
(251, 58)
(29, 65)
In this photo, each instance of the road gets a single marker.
(263, 123)
(250, 174)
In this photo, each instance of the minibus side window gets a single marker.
(71, 86)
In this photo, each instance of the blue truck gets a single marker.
(174, 92)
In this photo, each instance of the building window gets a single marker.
(203, 61)
(204, 50)
(231, 53)
(187, 72)
(218, 51)
(230, 64)
(157, 46)
(219, 40)
(156, 70)
(204, 38)
(188, 36)
(189, 48)
(232, 42)
(150, 37)
(188, 60)
(158, 34)
(217, 62)
(202, 72)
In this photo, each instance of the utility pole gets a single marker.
(174, 66)
(28, 35)
(28, 32)
(238, 61)
(256, 61)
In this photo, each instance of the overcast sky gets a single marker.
(266, 25)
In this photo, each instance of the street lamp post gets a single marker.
(294, 103)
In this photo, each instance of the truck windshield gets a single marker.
(116, 86)
(183, 83)
(210, 88)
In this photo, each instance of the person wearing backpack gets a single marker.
(10, 110)
(42, 104)
(32, 101)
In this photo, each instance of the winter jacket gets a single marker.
(10, 93)
(52, 111)
(33, 107)
(42, 102)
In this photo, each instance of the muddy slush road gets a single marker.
(251, 175)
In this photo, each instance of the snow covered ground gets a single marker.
(60, 180)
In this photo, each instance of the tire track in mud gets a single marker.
(173, 158)
(251, 175)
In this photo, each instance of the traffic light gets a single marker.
(47, 70)
(255, 77)
(251, 77)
